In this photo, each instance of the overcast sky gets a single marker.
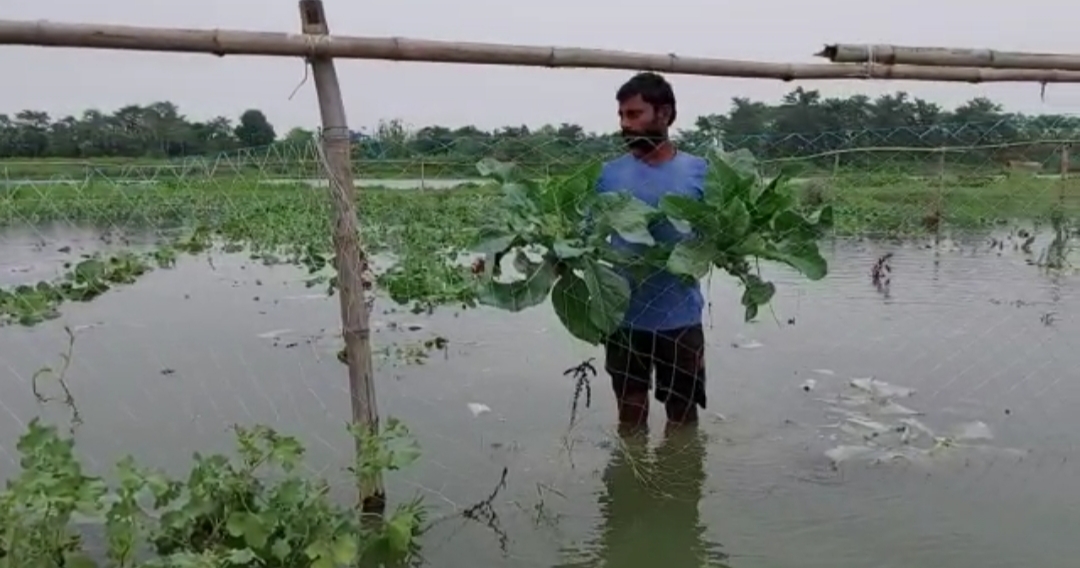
(63, 81)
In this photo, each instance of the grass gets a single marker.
(915, 206)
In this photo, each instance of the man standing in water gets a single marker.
(662, 331)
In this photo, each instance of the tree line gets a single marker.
(804, 123)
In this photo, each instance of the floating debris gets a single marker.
(881, 389)
(274, 333)
(845, 453)
(478, 408)
(867, 428)
(973, 431)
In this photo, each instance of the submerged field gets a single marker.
(209, 308)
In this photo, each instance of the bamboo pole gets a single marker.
(349, 255)
(948, 57)
(235, 42)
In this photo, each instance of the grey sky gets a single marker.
(64, 81)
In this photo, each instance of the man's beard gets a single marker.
(645, 140)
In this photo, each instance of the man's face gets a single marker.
(643, 127)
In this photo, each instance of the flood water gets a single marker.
(162, 367)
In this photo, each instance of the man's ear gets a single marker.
(665, 114)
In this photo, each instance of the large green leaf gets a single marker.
(771, 200)
(570, 299)
(789, 225)
(627, 215)
(823, 218)
(569, 195)
(494, 241)
(756, 293)
(731, 176)
(735, 220)
(803, 256)
(609, 296)
(519, 294)
(699, 215)
(567, 250)
(691, 258)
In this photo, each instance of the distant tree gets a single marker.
(254, 129)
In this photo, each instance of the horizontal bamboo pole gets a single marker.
(235, 42)
(948, 57)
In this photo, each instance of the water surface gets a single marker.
(163, 367)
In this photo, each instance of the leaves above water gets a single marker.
(257, 510)
(85, 280)
(557, 234)
(741, 218)
(557, 231)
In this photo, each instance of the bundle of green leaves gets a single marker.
(558, 234)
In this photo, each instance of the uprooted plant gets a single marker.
(557, 233)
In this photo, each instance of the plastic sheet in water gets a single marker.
(872, 427)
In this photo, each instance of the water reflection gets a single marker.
(649, 506)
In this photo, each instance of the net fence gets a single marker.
(152, 304)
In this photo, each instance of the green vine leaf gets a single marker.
(570, 299)
(693, 258)
(627, 216)
(756, 293)
(519, 295)
(609, 296)
(567, 250)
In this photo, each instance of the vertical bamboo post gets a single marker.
(1064, 167)
(350, 258)
(939, 199)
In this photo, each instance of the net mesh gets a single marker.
(171, 299)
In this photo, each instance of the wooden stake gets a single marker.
(351, 260)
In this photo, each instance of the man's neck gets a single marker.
(663, 152)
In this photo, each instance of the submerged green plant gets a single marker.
(557, 232)
(30, 304)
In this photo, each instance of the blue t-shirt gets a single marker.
(662, 301)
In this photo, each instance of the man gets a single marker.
(662, 330)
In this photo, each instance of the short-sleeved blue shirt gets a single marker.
(662, 301)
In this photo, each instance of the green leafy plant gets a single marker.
(557, 232)
(256, 510)
(741, 218)
(30, 304)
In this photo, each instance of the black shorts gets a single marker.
(677, 356)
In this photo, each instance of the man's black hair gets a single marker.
(653, 89)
